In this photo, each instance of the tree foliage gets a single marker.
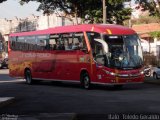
(117, 12)
(155, 34)
(2, 1)
(152, 5)
(145, 20)
(90, 10)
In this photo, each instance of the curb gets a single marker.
(6, 100)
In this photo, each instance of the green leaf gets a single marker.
(155, 34)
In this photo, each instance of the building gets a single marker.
(144, 31)
(33, 22)
(53, 20)
(153, 44)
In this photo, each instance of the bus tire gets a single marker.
(85, 80)
(28, 77)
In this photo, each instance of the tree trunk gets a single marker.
(75, 15)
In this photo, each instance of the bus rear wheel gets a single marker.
(28, 77)
(85, 81)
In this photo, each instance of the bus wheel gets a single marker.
(85, 81)
(28, 77)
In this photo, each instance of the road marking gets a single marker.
(12, 81)
(6, 100)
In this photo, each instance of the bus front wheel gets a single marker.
(85, 81)
(28, 77)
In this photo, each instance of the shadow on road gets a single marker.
(59, 84)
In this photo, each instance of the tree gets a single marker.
(2, 1)
(116, 11)
(90, 10)
(155, 34)
(152, 5)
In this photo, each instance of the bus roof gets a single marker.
(100, 28)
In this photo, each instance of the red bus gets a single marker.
(88, 54)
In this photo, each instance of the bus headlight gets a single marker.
(110, 73)
(142, 72)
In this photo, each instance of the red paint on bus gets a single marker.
(67, 65)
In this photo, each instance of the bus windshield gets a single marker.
(122, 52)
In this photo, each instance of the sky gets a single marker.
(12, 8)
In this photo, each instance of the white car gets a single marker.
(156, 72)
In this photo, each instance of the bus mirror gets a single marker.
(105, 45)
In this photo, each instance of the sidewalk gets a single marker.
(6, 100)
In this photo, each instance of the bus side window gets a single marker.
(60, 45)
(12, 43)
(53, 41)
(42, 42)
(26, 44)
(70, 43)
(83, 44)
(30, 43)
(75, 44)
(79, 41)
(20, 42)
(66, 41)
(52, 44)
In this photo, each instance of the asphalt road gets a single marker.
(51, 97)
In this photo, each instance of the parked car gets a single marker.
(156, 72)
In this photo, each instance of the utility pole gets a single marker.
(129, 22)
(104, 12)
